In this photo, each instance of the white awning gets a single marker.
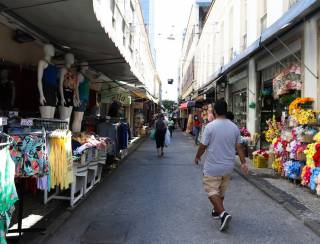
(73, 24)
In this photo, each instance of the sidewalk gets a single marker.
(298, 200)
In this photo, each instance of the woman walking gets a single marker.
(161, 129)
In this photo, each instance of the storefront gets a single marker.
(280, 83)
(52, 148)
(237, 96)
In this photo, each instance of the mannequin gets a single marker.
(7, 91)
(83, 91)
(68, 88)
(47, 83)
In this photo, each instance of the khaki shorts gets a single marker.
(216, 185)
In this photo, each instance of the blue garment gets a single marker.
(50, 76)
(123, 135)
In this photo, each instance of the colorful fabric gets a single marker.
(29, 155)
(8, 193)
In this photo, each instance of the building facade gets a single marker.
(188, 63)
(245, 45)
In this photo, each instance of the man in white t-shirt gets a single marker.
(220, 140)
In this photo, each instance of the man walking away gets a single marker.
(171, 126)
(161, 129)
(220, 139)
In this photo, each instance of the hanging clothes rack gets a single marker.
(20, 190)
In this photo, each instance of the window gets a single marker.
(244, 25)
(292, 2)
(264, 15)
(112, 5)
(231, 34)
(124, 32)
(244, 41)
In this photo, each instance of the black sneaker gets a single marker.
(215, 215)
(225, 220)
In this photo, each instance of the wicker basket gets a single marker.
(260, 161)
(307, 138)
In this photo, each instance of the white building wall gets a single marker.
(136, 52)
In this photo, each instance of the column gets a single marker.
(310, 50)
(252, 119)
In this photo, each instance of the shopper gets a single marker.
(220, 139)
(196, 129)
(161, 129)
(230, 116)
(171, 126)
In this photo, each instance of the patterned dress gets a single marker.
(8, 193)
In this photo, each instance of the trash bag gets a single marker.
(167, 140)
(153, 134)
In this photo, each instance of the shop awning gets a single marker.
(187, 105)
(71, 25)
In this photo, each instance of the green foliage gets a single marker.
(169, 105)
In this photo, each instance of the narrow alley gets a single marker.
(152, 200)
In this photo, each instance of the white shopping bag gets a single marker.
(167, 140)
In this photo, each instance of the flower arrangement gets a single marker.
(262, 153)
(295, 106)
(305, 175)
(314, 182)
(317, 137)
(316, 156)
(310, 152)
(244, 132)
(277, 165)
(273, 131)
(280, 146)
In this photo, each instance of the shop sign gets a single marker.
(123, 98)
(110, 93)
(27, 122)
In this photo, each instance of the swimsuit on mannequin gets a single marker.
(50, 84)
(84, 91)
(69, 86)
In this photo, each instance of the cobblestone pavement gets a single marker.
(151, 200)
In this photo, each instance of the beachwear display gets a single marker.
(84, 91)
(30, 156)
(60, 158)
(50, 83)
(8, 193)
(69, 86)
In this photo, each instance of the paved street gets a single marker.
(151, 200)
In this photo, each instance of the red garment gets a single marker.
(197, 123)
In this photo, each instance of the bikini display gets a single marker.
(50, 84)
(69, 86)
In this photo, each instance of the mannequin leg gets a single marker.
(65, 113)
(77, 120)
(46, 112)
(53, 110)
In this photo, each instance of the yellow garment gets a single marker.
(60, 159)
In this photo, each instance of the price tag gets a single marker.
(27, 122)
(3, 121)
(13, 114)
